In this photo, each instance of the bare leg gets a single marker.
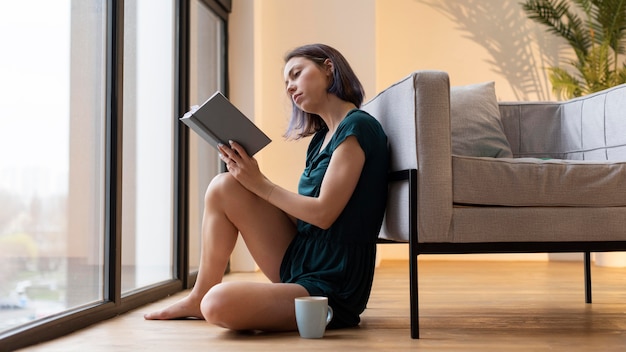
(252, 306)
(230, 209)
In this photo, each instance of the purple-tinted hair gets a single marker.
(345, 85)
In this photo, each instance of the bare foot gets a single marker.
(185, 308)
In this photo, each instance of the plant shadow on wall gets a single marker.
(519, 52)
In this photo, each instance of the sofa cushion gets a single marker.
(537, 182)
(475, 122)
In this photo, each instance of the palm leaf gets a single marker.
(597, 40)
(608, 21)
(621, 74)
(564, 85)
(560, 20)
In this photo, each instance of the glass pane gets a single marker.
(52, 157)
(148, 143)
(207, 72)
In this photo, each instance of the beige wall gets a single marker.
(472, 40)
(384, 40)
(256, 66)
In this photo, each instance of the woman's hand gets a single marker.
(339, 182)
(245, 169)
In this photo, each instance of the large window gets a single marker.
(52, 157)
(100, 184)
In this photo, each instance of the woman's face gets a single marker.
(307, 83)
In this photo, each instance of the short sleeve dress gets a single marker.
(339, 262)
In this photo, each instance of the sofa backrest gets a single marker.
(592, 127)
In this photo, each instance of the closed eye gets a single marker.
(292, 75)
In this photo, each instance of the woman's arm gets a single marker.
(339, 182)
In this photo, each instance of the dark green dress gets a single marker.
(339, 262)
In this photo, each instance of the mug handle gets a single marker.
(329, 315)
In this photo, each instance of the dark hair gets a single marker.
(345, 85)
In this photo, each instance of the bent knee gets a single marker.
(223, 186)
(216, 306)
(220, 185)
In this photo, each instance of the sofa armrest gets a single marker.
(415, 113)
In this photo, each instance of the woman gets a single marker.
(320, 241)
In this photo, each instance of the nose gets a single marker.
(291, 87)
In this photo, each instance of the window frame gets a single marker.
(114, 303)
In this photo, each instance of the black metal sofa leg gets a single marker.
(414, 298)
(587, 277)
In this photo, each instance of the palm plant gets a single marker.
(597, 40)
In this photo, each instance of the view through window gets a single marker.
(51, 157)
(148, 143)
(66, 195)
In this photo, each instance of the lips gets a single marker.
(296, 97)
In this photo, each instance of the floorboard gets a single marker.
(464, 306)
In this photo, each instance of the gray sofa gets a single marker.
(556, 183)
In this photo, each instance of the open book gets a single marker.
(219, 121)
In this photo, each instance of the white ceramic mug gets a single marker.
(312, 316)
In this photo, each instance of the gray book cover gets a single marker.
(217, 121)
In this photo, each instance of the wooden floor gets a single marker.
(465, 306)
